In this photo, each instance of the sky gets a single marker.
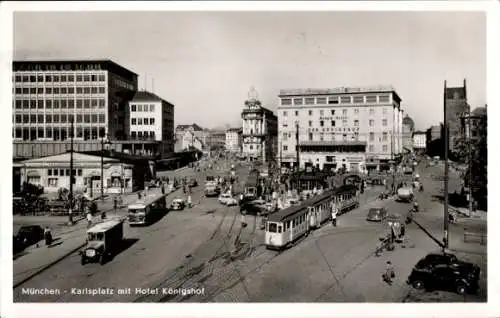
(205, 63)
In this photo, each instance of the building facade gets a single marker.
(151, 125)
(408, 130)
(354, 128)
(188, 139)
(470, 123)
(215, 140)
(48, 95)
(419, 141)
(53, 173)
(234, 137)
(456, 105)
(259, 131)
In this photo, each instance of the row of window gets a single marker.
(59, 118)
(371, 148)
(332, 100)
(60, 103)
(63, 172)
(332, 112)
(143, 121)
(333, 123)
(142, 108)
(58, 133)
(60, 90)
(384, 137)
(142, 134)
(59, 78)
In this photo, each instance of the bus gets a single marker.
(142, 211)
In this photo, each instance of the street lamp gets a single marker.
(104, 141)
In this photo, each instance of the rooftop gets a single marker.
(193, 125)
(337, 90)
(145, 96)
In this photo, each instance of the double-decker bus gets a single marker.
(142, 211)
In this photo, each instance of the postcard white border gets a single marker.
(8, 309)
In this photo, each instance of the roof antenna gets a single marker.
(145, 82)
(153, 85)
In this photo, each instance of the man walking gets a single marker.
(89, 219)
(334, 215)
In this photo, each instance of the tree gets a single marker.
(461, 150)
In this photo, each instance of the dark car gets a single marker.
(250, 207)
(30, 234)
(376, 214)
(17, 245)
(444, 271)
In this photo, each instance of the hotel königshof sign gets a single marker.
(59, 66)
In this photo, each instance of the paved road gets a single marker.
(153, 252)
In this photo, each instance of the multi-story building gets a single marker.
(234, 139)
(419, 141)
(408, 128)
(456, 105)
(351, 128)
(435, 132)
(470, 123)
(259, 130)
(151, 125)
(187, 136)
(48, 95)
(216, 139)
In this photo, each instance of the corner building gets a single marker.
(355, 128)
(48, 95)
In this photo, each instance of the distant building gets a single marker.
(419, 141)
(48, 95)
(150, 125)
(434, 138)
(187, 139)
(456, 105)
(197, 131)
(355, 128)
(234, 137)
(470, 122)
(408, 130)
(259, 130)
(216, 139)
(53, 173)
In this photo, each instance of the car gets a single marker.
(178, 204)
(376, 214)
(444, 271)
(251, 207)
(30, 234)
(17, 245)
(227, 199)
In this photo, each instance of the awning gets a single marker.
(33, 173)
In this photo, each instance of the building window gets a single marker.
(344, 122)
(344, 112)
(321, 137)
(286, 101)
(146, 121)
(134, 121)
(333, 100)
(86, 103)
(333, 111)
(310, 123)
(139, 121)
(48, 132)
(86, 78)
(285, 136)
(384, 136)
(139, 108)
(384, 122)
(321, 112)
(102, 78)
(372, 111)
(296, 113)
(52, 182)
(93, 90)
(93, 118)
(19, 119)
(356, 123)
(384, 148)
(371, 148)
(358, 99)
(310, 113)
(86, 119)
(321, 100)
(298, 101)
(310, 101)
(372, 136)
(48, 119)
(371, 99)
(79, 103)
(152, 108)
(345, 99)
(383, 98)
(356, 111)
(285, 147)
(151, 121)
(102, 90)
(321, 123)
(102, 103)
(310, 136)
(372, 122)
(86, 90)
(101, 118)
(285, 113)
(48, 78)
(384, 111)
(333, 123)
(71, 78)
(56, 103)
(71, 103)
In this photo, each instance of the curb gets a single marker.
(45, 267)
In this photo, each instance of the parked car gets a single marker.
(192, 183)
(178, 204)
(444, 271)
(376, 214)
(251, 207)
(29, 235)
(227, 199)
(17, 245)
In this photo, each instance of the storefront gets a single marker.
(53, 173)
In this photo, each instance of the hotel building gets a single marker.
(48, 95)
(234, 139)
(259, 130)
(351, 128)
(151, 125)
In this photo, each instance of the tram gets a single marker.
(284, 227)
(141, 212)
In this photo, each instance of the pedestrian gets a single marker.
(139, 195)
(402, 231)
(89, 219)
(115, 203)
(162, 189)
(189, 201)
(389, 274)
(334, 216)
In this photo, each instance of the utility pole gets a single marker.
(71, 173)
(281, 156)
(470, 160)
(297, 144)
(446, 144)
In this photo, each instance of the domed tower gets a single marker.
(408, 129)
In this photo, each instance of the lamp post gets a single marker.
(104, 140)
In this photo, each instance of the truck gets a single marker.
(405, 195)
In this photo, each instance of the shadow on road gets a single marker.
(126, 243)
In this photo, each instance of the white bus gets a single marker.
(142, 211)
